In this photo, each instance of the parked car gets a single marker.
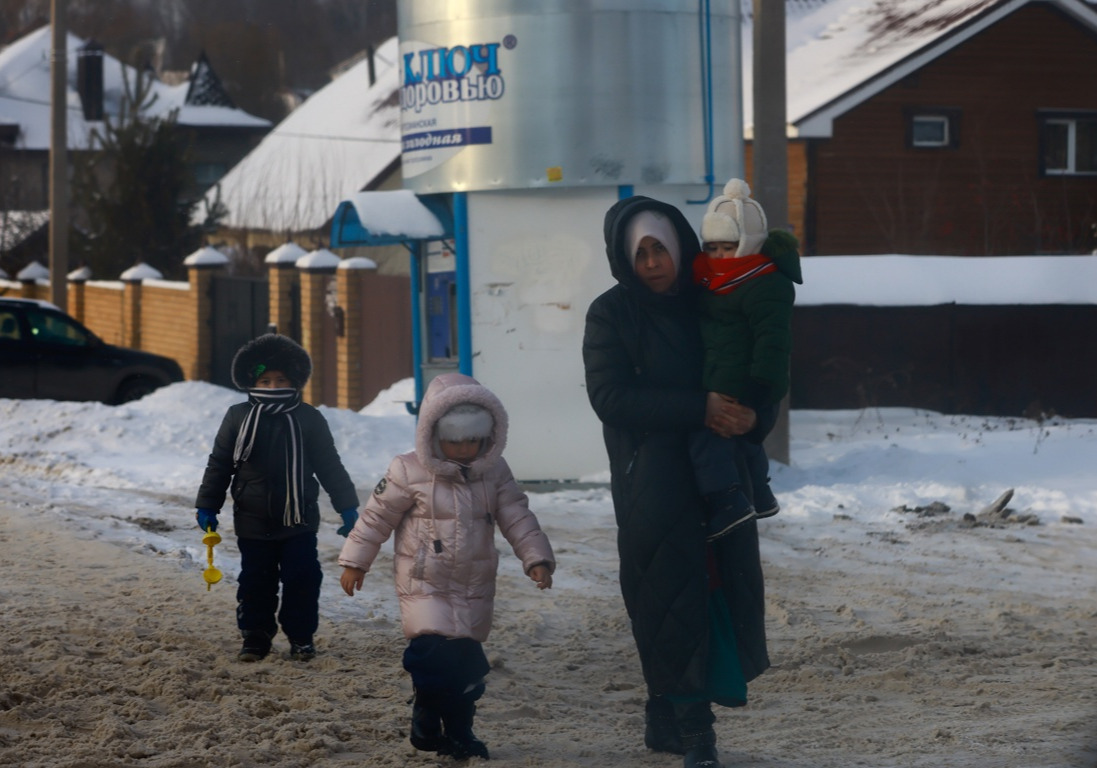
(44, 353)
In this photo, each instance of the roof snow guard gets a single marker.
(389, 218)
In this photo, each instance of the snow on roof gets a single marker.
(207, 256)
(321, 258)
(33, 271)
(357, 262)
(18, 226)
(25, 94)
(396, 212)
(330, 147)
(141, 271)
(286, 253)
(839, 51)
(907, 281)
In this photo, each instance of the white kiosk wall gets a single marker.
(539, 263)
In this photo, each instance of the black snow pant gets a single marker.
(295, 564)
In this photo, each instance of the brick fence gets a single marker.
(359, 346)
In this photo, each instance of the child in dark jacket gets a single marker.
(746, 275)
(271, 450)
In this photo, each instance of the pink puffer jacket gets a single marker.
(444, 517)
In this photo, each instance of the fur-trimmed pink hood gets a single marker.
(444, 392)
(444, 517)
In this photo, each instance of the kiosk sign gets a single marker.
(445, 96)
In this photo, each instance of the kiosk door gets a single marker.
(440, 353)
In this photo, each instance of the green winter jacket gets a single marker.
(747, 333)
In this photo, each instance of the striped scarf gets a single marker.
(274, 402)
(725, 275)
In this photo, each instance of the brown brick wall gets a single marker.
(103, 311)
(318, 337)
(168, 323)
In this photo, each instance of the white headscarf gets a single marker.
(654, 224)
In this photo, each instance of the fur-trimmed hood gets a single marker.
(275, 353)
(444, 392)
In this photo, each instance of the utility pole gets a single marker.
(770, 147)
(59, 185)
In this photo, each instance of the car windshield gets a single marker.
(48, 328)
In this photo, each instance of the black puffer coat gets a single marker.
(259, 485)
(643, 356)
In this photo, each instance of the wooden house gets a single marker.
(217, 133)
(957, 127)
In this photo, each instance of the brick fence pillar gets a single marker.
(317, 269)
(202, 266)
(352, 274)
(284, 283)
(77, 298)
(131, 302)
(28, 277)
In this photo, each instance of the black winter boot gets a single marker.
(457, 716)
(765, 503)
(727, 509)
(426, 726)
(695, 721)
(256, 646)
(660, 727)
(702, 756)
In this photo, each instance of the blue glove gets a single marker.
(350, 517)
(207, 519)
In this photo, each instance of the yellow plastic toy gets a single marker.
(211, 574)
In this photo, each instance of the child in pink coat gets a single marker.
(444, 501)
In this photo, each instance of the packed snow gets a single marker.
(910, 623)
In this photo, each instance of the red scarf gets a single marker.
(725, 275)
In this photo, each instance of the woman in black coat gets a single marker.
(697, 609)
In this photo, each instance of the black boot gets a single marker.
(727, 509)
(695, 720)
(660, 727)
(765, 503)
(426, 726)
(457, 716)
(702, 756)
(256, 646)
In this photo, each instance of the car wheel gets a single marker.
(134, 389)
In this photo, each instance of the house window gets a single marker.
(933, 128)
(929, 131)
(208, 174)
(1069, 145)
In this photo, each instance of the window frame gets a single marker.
(948, 116)
(1071, 119)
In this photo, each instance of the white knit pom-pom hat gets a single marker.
(735, 217)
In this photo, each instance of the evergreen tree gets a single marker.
(129, 192)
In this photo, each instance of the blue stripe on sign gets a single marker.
(456, 137)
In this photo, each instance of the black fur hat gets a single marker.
(271, 352)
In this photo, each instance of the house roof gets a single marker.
(18, 226)
(841, 52)
(337, 142)
(25, 95)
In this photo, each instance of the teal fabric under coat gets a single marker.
(725, 685)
